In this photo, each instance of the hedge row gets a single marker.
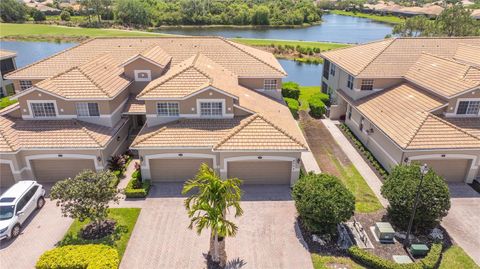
(89, 256)
(373, 161)
(291, 90)
(317, 107)
(293, 105)
(136, 187)
(370, 260)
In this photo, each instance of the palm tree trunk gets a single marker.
(217, 249)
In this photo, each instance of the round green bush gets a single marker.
(317, 107)
(400, 188)
(38, 16)
(65, 16)
(291, 89)
(322, 202)
(293, 105)
(91, 256)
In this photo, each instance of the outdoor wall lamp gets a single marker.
(141, 158)
(99, 158)
(260, 157)
(180, 154)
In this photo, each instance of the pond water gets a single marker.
(335, 28)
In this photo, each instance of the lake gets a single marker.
(335, 28)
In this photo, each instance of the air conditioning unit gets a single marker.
(384, 232)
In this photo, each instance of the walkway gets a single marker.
(309, 163)
(363, 168)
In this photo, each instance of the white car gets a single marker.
(16, 204)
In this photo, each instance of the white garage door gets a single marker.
(453, 170)
(6, 176)
(59, 169)
(176, 170)
(261, 172)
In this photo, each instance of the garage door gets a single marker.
(261, 172)
(6, 176)
(176, 170)
(59, 169)
(452, 170)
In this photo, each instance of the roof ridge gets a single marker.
(417, 130)
(376, 56)
(86, 131)
(454, 126)
(93, 81)
(51, 56)
(236, 130)
(446, 59)
(5, 137)
(148, 136)
(234, 44)
(283, 131)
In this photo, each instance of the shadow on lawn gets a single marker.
(75, 239)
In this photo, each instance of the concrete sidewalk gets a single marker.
(363, 168)
(309, 163)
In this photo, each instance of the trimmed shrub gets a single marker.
(79, 257)
(400, 189)
(132, 192)
(65, 16)
(291, 89)
(322, 202)
(293, 105)
(370, 260)
(317, 107)
(38, 16)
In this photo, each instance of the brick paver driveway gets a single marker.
(267, 236)
(463, 219)
(40, 232)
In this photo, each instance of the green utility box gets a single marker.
(384, 232)
(418, 250)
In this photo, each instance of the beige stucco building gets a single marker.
(411, 99)
(177, 102)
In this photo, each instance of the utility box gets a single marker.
(384, 232)
(419, 250)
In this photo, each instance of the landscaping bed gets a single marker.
(136, 187)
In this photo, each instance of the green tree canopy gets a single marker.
(131, 12)
(400, 189)
(12, 11)
(322, 202)
(87, 196)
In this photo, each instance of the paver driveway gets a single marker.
(463, 219)
(267, 237)
(40, 232)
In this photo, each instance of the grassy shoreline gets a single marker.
(390, 19)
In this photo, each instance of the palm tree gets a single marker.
(208, 206)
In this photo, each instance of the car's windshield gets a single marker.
(6, 211)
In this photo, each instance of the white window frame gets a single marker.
(30, 108)
(466, 100)
(148, 78)
(27, 84)
(350, 81)
(367, 82)
(268, 84)
(332, 69)
(78, 108)
(199, 110)
(169, 112)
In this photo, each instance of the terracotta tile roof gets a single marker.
(436, 133)
(101, 78)
(470, 125)
(26, 134)
(468, 53)
(4, 54)
(394, 57)
(241, 60)
(445, 77)
(134, 106)
(257, 133)
(236, 134)
(155, 54)
(201, 133)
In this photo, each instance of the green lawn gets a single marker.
(305, 93)
(327, 262)
(5, 101)
(126, 219)
(39, 30)
(267, 42)
(387, 18)
(455, 257)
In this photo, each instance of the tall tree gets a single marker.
(208, 205)
(12, 11)
(456, 21)
(414, 26)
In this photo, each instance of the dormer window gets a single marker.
(168, 109)
(25, 84)
(211, 108)
(43, 110)
(468, 107)
(143, 75)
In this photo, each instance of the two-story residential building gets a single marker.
(411, 99)
(7, 65)
(186, 101)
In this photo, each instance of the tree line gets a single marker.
(185, 12)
